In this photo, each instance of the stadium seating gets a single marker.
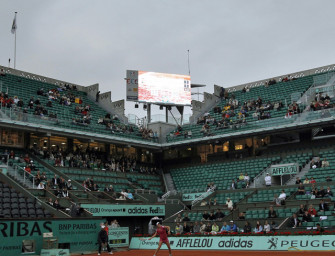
(25, 88)
(222, 174)
(280, 91)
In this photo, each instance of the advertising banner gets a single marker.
(125, 210)
(132, 85)
(191, 196)
(264, 243)
(284, 169)
(79, 235)
(118, 237)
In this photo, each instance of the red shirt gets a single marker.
(161, 231)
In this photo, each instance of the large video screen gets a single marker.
(164, 88)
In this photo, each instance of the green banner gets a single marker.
(284, 169)
(118, 237)
(124, 210)
(79, 235)
(191, 196)
(240, 243)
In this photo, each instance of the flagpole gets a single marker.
(15, 46)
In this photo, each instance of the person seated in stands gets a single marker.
(282, 196)
(294, 221)
(246, 177)
(130, 195)
(301, 189)
(328, 179)
(186, 228)
(312, 211)
(229, 204)
(27, 169)
(225, 227)
(186, 218)
(288, 114)
(65, 192)
(312, 180)
(258, 228)
(302, 210)
(276, 200)
(319, 228)
(212, 216)
(196, 227)
(205, 216)
(241, 177)
(306, 181)
(40, 186)
(219, 215)
(215, 202)
(272, 213)
(232, 227)
(215, 228)
(178, 218)
(325, 163)
(318, 162)
(69, 185)
(49, 104)
(323, 206)
(306, 217)
(202, 227)
(247, 228)
(233, 184)
(328, 192)
(297, 181)
(57, 205)
(267, 227)
(50, 202)
(61, 183)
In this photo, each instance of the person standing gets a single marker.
(162, 231)
(103, 240)
(267, 180)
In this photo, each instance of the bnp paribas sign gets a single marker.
(125, 210)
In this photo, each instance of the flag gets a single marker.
(14, 26)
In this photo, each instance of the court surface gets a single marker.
(213, 253)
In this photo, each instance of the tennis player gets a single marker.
(162, 231)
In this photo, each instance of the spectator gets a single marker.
(247, 227)
(294, 221)
(258, 228)
(312, 211)
(219, 215)
(205, 216)
(233, 227)
(225, 227)
(208, 227)
(212, 216)
(178, 229)
(328, 192)
(115, 224)
(202, 227)
(325, 163)
(298, 181)
(312, 180)
(57, 205)
(267, 227)
(302, 210)
(40, 186)
(282, 197)
(246, 178)
(186, 228)
(203, 203)
(273, 226)
(323, 206)
(69, 185)
(328, 179)
(233, 184)
(186, 218)
(178, 218)
(241, 177)
(276, 200)
(267, 180)
(306, 217)
(50, 202)
(306, 181)
(272, 213)
(196, 227)
(215, 228)
(229, 204)
(319, 228)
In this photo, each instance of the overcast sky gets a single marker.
(230, 42)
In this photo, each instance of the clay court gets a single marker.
(214, 253)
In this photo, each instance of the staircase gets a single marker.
(21, 176)
(302, 173)
(169, 182)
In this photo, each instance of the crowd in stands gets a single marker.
(209, 224)
(92, 158)
(321, 102)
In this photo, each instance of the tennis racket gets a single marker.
(144, 239)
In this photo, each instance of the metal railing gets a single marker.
(18, 170)
(203, 196)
